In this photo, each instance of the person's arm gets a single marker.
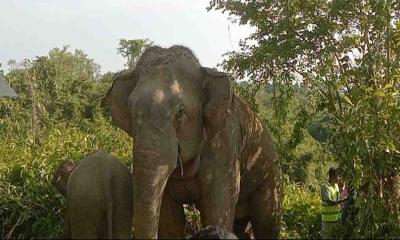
(326, 197)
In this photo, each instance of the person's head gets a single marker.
(213, 232)
(61, 176)
(333, 176)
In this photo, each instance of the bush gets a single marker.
(29, 205)
(301, 217)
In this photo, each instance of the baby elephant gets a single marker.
(98, 190)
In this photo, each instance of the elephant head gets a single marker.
(61, 176)
(169, 104)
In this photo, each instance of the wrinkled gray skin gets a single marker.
(180, 113)
(99, 197)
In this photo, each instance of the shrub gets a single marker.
(29, 205)
(301, 217)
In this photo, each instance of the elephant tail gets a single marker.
(110, 220)
(109, 206)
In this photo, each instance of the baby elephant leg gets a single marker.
(86, 219)
(122, 219)
(66, 227)
(84, 228)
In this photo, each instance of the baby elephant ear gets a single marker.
(217, 99)
(61, 176)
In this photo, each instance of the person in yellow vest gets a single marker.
(331, 209)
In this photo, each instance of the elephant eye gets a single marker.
(180, 113)
(178, 119)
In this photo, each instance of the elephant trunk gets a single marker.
(150, 176)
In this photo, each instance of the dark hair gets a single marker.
(332, 173)
(213, 232)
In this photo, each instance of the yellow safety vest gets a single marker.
(331, 213)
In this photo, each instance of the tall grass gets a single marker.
(29, 205)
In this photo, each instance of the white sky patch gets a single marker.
(158, 96)
(95, 26)
(176, 88)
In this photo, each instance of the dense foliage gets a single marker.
(301, 218)
(324, 79)
(57, 117)
(132, 50)
(345, 55)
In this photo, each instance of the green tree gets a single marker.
(345, 53)
(61, 84)
(11, 64)
(57, 117)
(132, 50)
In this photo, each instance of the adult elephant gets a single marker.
(195, 142)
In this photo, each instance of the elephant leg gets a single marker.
(86, 219)
(239, 228)
(265, 211)
(215, 213)
(218, 200)
(123, 211)
(123, 220)
(66, 228)
(85, 228)
(172, 219)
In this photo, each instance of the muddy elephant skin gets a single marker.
(195, 142)
(99, 197)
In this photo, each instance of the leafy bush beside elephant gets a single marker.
(196, 143)
(98, 190)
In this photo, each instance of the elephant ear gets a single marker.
(117, 99)
(217, 99)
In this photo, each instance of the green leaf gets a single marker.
(380, 93)
(347, 99)
(387, 86)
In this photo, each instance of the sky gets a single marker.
(30, 28)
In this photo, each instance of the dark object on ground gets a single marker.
(213, 232)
